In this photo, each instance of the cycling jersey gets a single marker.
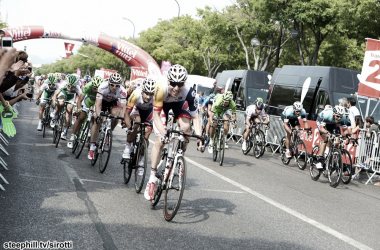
(209, 100)
(48, 92)
(161, 97)
(326, 118)
(106, 95)
(136, 100)
(219, 109)
(66, 93)
(288, 114)
(251, 111)
(89, 92)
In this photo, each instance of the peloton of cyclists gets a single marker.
(290, 118)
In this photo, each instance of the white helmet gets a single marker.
(115, 78)
(339, 110)
(148, 85)
(297, 106)
(177, 73)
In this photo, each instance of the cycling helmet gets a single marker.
(297, 106)
(87, 78)
(339, 110)
(51, 78)
(63, 76)
(227, 96)
(71, 80)
(148, 85)
(115, 78)
(259, 105)
(177, 73)
(96, 81)
(58, 76)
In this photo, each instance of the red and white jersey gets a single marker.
(251, 111)
(105, 94)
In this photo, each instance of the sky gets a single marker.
(92, 17)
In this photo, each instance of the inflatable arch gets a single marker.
(128, 52)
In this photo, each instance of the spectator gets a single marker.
(359, 124)
(200, 100)
(7, 59)
(353, 110)
(371, 127)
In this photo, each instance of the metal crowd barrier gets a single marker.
(272, 136)
(367, 155)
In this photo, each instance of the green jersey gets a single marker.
(218, 108)
(89, 92)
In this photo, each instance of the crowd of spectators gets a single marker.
(16, 75)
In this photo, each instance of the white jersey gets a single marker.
(251, 111)
(136, 100)
(105, 94)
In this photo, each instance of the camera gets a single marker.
(7, 42)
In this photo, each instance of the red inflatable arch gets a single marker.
(128, 52)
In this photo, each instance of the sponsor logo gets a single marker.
(179, 97)
(53, 34)
(91, 40)
(140, 73)
(19, 33)
(126, 50)
(122, 93)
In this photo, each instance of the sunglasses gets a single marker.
(115, 85)
(149, 94)
(338, 116)
(297, 111)
(179, 84)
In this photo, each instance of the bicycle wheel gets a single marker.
(314, 172)
(140, 171)
(284, 159)
(105, 153)
(76, 141)
(301, 154)
(159, 187)
(258, 146)
(222, 147)
(59, 129)
(215, 149)
(175, 188)
(82, 139)
(335, 168)
(249, 143)
(127, 170)
(96, 153)
(44, 121)
(347, 166)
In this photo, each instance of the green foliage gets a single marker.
(331, 33)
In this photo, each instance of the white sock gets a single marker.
(65, 130)
(152, 177)
(287, 150)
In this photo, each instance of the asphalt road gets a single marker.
(247, 203)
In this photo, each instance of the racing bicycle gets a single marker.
(297, 149)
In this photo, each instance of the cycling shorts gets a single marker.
(88, 103)
(108, 106)
(64, 97)
(145, 115)
(220, 115)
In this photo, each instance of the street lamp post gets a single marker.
(178, 7)
(133, 26)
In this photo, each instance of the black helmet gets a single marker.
(259, 105)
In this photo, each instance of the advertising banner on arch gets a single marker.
(138, 74)
(68, 49)
(165, 65)
(108, 73)
(369, 79)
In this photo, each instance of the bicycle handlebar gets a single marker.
(111, 116)
(185, 134)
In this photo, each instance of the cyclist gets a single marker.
(47, 89)
(329, 122)
(86, 79)
(58, 77)
(207, 103)
(66, 92)
(253, 112)
(106, 100)
(223, 107)
(140, 108)
(290, 118)
(171, 93)
(87, 99)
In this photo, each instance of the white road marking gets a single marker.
(224, 191)
(40, 177)
(98, 181)
(290, 211)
